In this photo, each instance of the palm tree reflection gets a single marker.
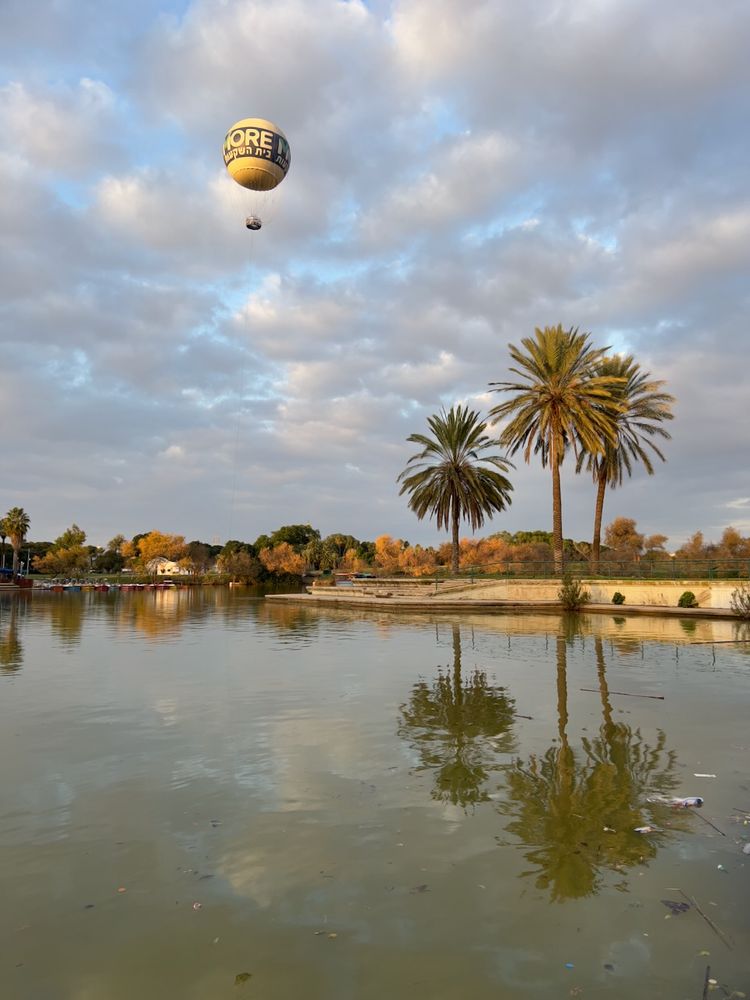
(11, 650)
(578, 813)
(458, 725)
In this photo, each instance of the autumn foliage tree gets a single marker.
(283, 559)
(622, 537)
(388, 553)
(156, 544)
(417, 561)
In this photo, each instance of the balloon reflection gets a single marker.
(578, 811)
(451, 722)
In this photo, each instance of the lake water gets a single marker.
(206, 795)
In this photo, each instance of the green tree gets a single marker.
(109, 561)
(198, 557)
(116, 543)
(16, 524)
(242, 565)
(560, 401)
(71, 537)
(451, 479)
(296, 535)
(644, 406)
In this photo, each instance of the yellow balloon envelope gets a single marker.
(256, 154)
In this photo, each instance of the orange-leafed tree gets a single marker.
(418, 561)
(352, 563)
(283, 559)
(156, 544)
(388, 552)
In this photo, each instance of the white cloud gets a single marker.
(461, 173)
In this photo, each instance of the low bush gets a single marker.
(739, 602)
(687, 600)
(571, 594)
(618, 598)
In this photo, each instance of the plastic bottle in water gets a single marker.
(686, 803)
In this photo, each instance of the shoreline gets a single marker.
(439, 603)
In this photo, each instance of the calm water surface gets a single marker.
(206, 795)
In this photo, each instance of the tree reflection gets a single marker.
(66, 619)
(449, 723)
(11, 650)
(579, 813)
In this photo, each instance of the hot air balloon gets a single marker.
(257, 157)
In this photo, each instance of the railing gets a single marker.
(643, 569)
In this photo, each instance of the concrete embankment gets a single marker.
(641, 596)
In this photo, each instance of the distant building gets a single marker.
(160, 566)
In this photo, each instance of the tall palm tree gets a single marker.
(451, 479)
(16, 522)
(560, 401)
(644, 406)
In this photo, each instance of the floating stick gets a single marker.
(627, 694)
(709, 921)
(707, 820)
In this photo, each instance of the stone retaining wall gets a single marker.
(650, 593)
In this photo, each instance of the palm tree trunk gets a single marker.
(601, 486)
(454, 551)
(557, 535)
(16, 557)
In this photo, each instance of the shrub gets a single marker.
(571, 594)
(618, 598)
(687, 600)
(739, 602)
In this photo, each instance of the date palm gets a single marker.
(560, 401)
(644, 406)
(451, 478)
(16, 523)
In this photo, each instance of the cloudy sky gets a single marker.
(462, 172)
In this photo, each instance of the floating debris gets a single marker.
(242, 977)
(676, 908)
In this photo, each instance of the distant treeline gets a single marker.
(296, 549)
